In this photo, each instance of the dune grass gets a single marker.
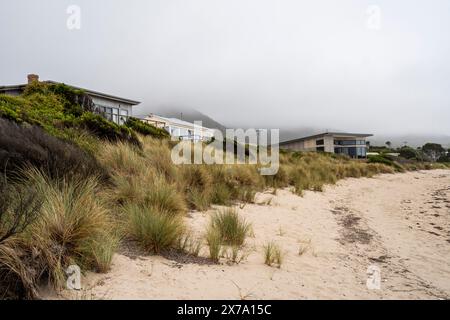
(73, 227)
(214, 242)
(232, 228)
(155, 230)
(273, 256)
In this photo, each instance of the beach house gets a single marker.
(351, 144)
(113, 108)
(180, 129)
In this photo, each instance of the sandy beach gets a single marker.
(399, 223)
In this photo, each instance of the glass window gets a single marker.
(319, 142)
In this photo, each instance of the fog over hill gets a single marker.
(397, 140)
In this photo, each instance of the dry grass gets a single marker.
(155, 230)
(73, 228)
(214, 242)
(232, 228)
(273, 256)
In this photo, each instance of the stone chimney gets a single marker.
(32, 78)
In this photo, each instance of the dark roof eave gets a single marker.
(89, 92)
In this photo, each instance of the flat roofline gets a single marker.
(340, 134)
(90, 92)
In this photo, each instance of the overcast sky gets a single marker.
(276, 63)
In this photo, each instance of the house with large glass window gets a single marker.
(113, 108)
(351, 144)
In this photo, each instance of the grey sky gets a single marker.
(276, 63)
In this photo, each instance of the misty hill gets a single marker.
(188, 114)
(410, 140)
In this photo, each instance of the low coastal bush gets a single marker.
(146, 129)
(19, 206)
(380, 159)
(23, 146)
(105, 129)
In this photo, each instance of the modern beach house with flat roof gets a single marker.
(180, 129)
(351, 144)
(113, 108)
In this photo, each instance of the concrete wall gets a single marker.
(310, 145)
(329, 144)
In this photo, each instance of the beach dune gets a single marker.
(398, 224)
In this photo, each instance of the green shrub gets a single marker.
(22, 146)
(412, 154)
(380, 159)
(19, 206)
(146, 129)
(108, 130)
(75, 101)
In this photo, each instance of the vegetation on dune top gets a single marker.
(146, 129)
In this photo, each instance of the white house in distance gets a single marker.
(113, 108)
(180, 129)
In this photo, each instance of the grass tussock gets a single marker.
(156, 231)
(18, 279)
(188, 244)
(232, 228)
(273, 256)
(73, 227)
(214, 242)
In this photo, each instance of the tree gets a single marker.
(433, 150)
(388, 144)
(408, 153)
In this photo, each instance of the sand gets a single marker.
(398, 223)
